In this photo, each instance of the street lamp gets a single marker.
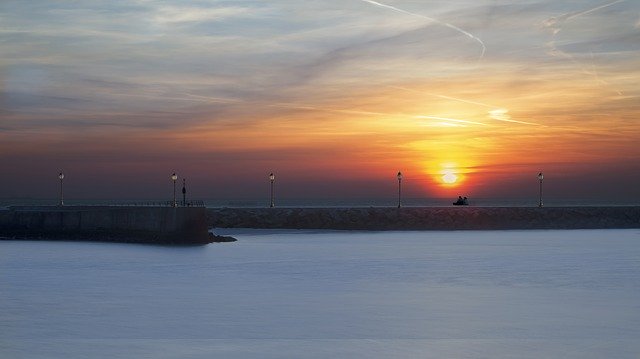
(184, 192)
(174, 177)
(540, 178)
(272, 178)
(399, 189)
(61, 177)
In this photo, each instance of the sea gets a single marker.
(327, 294)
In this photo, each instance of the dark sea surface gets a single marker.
(327, 294)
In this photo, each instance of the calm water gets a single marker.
(466, 294)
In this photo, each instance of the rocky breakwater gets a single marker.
(427, 218)
(156, 225)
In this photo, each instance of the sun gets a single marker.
(449, 177)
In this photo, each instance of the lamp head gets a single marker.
(540, 176)
(174, 176)
(61, 176)
(399, 176)
(272, 177)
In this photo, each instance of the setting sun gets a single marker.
(449, 178)
(449, 175)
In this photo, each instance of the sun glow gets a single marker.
(449, 175)
(449, 178)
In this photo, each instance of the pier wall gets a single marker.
(181, 225)
(427, 218)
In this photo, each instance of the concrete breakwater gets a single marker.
(427, 218)
(159, 225)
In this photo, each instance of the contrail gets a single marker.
(356, 112)
(501, 114)
(444, 97)
(592, 10)
(555, 25)
(554, 22)
(452, 120)
(466, 33)
(498, 113)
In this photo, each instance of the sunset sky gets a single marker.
(335, 97)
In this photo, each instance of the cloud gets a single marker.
(500, 114)
(455, 28)
(454, 120)
(188, 14)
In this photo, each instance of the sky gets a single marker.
(467, 98)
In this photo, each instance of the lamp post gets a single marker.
(184, 192)
(272, 178)
(174, 177)
(61, 177)
(399, 189)
(540, 178)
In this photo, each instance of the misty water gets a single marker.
(293, 294)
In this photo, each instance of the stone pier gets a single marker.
(427, 218)
(159, 225)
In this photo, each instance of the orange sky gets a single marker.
(335, 101)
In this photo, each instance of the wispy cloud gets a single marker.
(452, 120)
(186, 14)
(326, 109)
(556, 23)
(496, 113)
(455, 28)
(502, 114)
